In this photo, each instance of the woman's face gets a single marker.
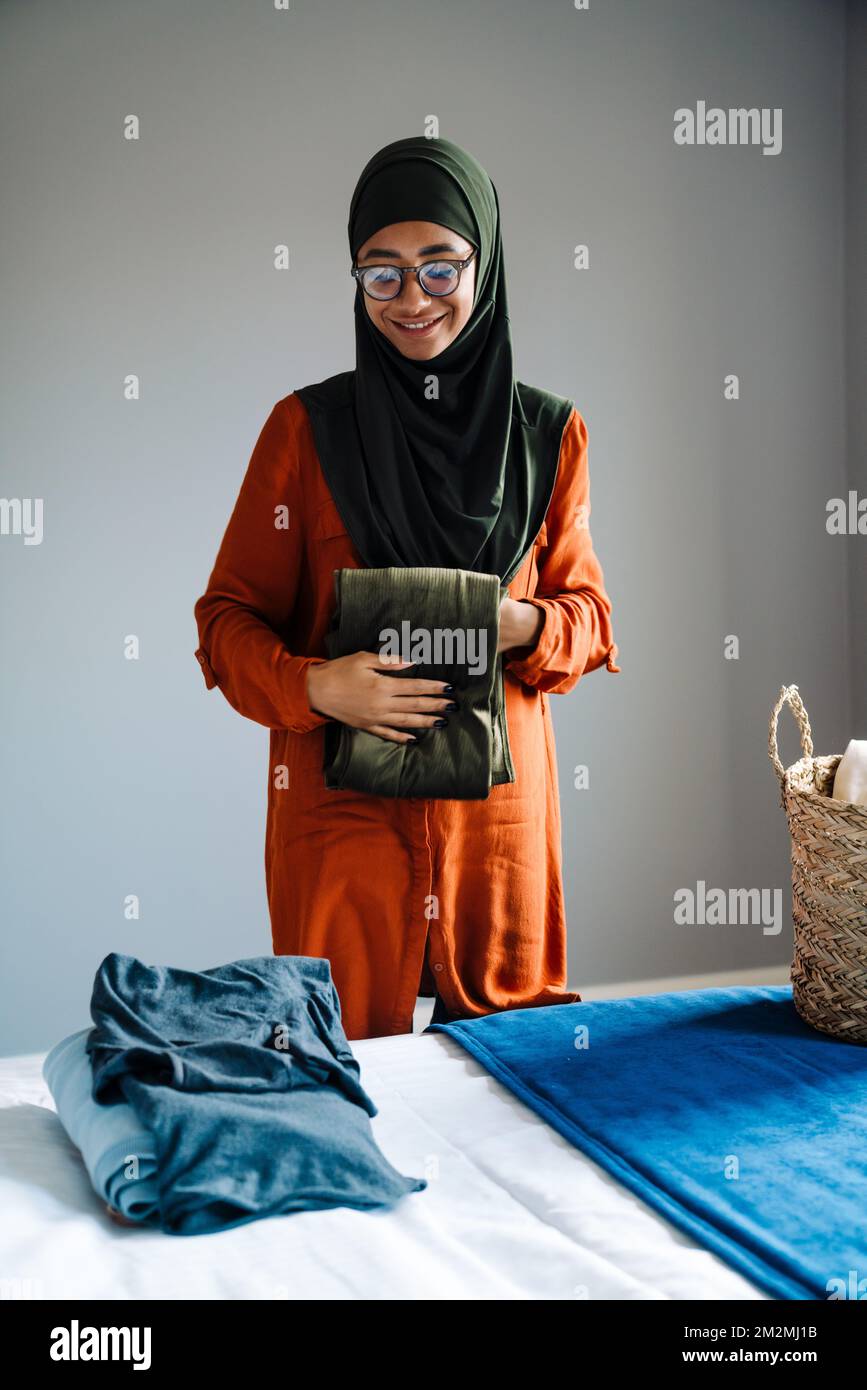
(413, 243)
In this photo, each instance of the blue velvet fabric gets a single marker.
(721, 1108)
(245, 1079)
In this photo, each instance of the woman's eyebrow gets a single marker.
(422, 250)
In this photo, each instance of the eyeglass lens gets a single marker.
(437, 277)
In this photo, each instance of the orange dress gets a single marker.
(400, 893)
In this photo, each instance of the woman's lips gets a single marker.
(418, 332)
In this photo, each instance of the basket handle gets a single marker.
(789, 695)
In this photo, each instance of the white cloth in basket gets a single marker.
(850, 779)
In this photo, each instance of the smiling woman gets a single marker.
(430, 454)
(401, 298)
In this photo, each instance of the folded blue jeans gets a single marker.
(244, 1077)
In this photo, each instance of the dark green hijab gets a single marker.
(463, 480)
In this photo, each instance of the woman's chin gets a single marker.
(424, 348)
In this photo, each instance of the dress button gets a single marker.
(438, 965)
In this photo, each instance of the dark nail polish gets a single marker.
(448, 690)
(440, 723)
(453, 705)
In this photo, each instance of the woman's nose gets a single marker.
(412, 292)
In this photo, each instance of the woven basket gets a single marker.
(829, 886)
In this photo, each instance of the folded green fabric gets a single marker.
(447, 621)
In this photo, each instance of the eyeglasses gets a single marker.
(386, 281)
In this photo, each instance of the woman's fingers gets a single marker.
(387, 663)
(398, 703)
(418, 687)
(406, 697)
(392, 735)
(386, 667)
(406, 719)
(422, 704)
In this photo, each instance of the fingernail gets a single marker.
(453, 706)
(441, 723)
(448, 689)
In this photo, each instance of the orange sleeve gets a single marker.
(576, 635)
(252, 588)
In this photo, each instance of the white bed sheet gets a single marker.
(512, 1210)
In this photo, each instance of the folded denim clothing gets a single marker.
(118, 1152)
(451, 618)
(245, 1078)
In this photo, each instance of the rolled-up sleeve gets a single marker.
(252, 590)
(576, 634)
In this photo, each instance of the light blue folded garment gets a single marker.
(246, 1080)
(119, 1154)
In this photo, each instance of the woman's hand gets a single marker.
(356, 691)
(520, 624)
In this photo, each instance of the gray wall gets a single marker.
(155, 258)
(855, 196)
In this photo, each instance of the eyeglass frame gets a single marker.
(357, 271)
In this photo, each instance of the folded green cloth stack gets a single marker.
(447, 621)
